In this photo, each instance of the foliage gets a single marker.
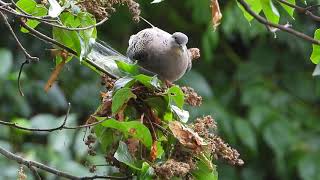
(259, 89)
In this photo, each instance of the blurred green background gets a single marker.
(258, 88)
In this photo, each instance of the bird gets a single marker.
(160, 52)
(156, 52)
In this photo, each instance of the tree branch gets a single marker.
(301, 9)
(38, 129)
(281, 27)
(51, 170)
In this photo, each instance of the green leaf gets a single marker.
(147, 172)
(31, 7)
(289, 9)
(254, 5)
(160, 149)
(121, 97)
(246, 133)
(133, 128)
(176, 96)
(123, 155)
(315, 56)
(159, 104)
(27, 5)
(132, 69)
(150, 82)
(5, 62)
(104, 135)
(270, 11)
(205, 170)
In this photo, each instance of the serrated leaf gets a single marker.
(270, 11)
(315, 56)
(121, 97)
(123, 155)
(289, 9)
(246, 133)
(134, 129)
(254, 5)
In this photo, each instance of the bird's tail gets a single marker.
(103, 56)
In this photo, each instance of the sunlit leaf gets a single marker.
(132, 69)
(55, 9)
(315, 56)
(176, 96)
(150, 82)
(121, 97)
(270, 11)
(254, 5)
(289, 9)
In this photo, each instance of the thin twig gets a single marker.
(54, 42)
(49, 169)
(281, 27)
(301, 9)
(11, 124)
(19, 77)
(29, 58)
(34, 172)
(45, 21)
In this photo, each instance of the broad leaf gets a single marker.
(147, 172)
(123, 155)
(150, 82)
(132, 69)
(315, 56)
(120, 98)
(134, 129)
(104, 135)
(180, 113)
(176, 96)
(205, 170)
(289, 9)
(270, 11)
(254, 5)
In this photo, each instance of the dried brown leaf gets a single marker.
(216, 13)
(186, 136)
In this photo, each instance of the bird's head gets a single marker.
(180, 38)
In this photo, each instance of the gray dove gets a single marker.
(160, 52)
